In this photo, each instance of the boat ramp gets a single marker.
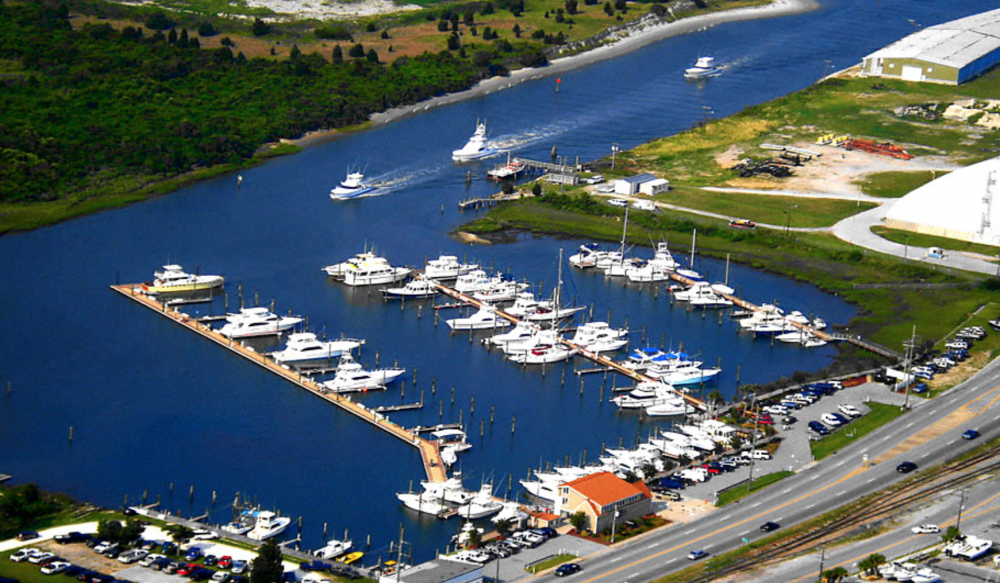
(429, 452)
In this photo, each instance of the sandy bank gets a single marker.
(624, 46)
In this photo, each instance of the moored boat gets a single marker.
(304, 347)
(351, 376)
(250, 322)
(268, 524)
(447, 267)
(418, 288)
(173, 279)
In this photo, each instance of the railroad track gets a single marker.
(920, 488)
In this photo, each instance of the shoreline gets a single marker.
(629, 44)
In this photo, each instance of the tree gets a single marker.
(835, 574)
(454, 42)
(488, 9)
(227, 42)
(385, 35)
(871, 563)
(715, 396)
(370, 27)
(503, 526)
(184, 41)
(442, 25)
(131, 532)
(179, 533)
(372, 56)
(507, 188)
(950, 534)
(295, 54)
(475, 538)
(158, 21)
(607, 9)
(260, 28)
(338, 54)
(536, 189)
(454, 22)
(517, 30)
(357, 51)
(578, 520)
(571, 7)
(468, 19)
(109, 530)
(207, 29)
(267, 566)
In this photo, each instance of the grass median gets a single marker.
(549, 563)
(880, 415)
(742, 491)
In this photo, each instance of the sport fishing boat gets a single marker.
(351, 376)
(424, 502)
(372, 271)
(481, 505)
(641, 358)
(351, 187)
(486, 318)
(680, 372)
(268, 524)
(521, 332)
(473, 281)
(334, 548)
(476, 148)
(600, 337)
(500, 290)
(251, 322)
(447, 267)
(304, 347)
(418, 288)
(588, 256)
(647, 394)
(703, 67)
(173, 279)
(545, 354)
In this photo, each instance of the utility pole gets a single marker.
(822, 556)
(614, 520)
(961, 503)
(906, 371)
(753, 445)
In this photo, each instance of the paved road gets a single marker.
(820, 488)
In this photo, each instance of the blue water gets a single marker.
(151, 404)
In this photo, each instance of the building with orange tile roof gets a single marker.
(605, 499)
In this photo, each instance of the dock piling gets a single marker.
(492, 411)
(472, 406)
(513, 423)
(453, 394)
(71, 434)
(433, 385)
(482, 428)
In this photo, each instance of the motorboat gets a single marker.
(451, 490)
(465, 535)
(975, 548)
(476, 148)
(250, 322)
(499, 290)
(766, 312)
(656, 269)
(690, 274)
(484, 319)
(524, 303)
(587, 256)
(703, 294)
(304, 346)
(473, 281)
(453, 440)
(351, 376)
(507, 171)
(425, 502)
(481, 505)
(800, 336)
(447, 267)
(268, 524)
(672, 449)
(798, 317)
(539, 338)
(925, 575)
(351, 558)
(645, 394)
(372, 270)
(670, 408)
(337, 270)
(521, 332)
(511, 511)
(351, 187)
(703, 67)
(600, 337)
(415, 289)
(680, 371)
(697, 437)
(334, 548)
(243, 524)
(616, 264)
(550, 311)
(173, 279)
(545, 354)
(641, 358)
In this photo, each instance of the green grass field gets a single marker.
(772, 210)
(921, 240)
(895, 184)
(880, 415)
(730, 496)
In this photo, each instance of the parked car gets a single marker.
(970, 434)
(790, 404)
(55, 567)
(203, 574)
(906, 467)
(225, 562)
(776, 410)
(22, 555)
(27, 535)
(132, 556)
(567, 569)
(829, 419)
(849, 410)
(819, 428)
(769, 526)
(843, 420)
(192, 554)
(220, 577)
(149, 560)
(595, 179)
(72, 537)
(919, 388)
(172, 567)
(789, 420)
(211, 560)
(698, 554)
(760, 454)
(671, 483)
(40, 557)
(239, 567)
(620, 202)
(102, 547)
(160, 563)
(672, 496)
(926, 529)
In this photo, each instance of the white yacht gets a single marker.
(485, 319)
(538, 339)
(600, 337)
(334, 548)
(588, 256)
(251, 322)
(481, 505)
(647, 394)
(703, 294)
(511, 511)
(799, 336)
(703, 67)
(473, 281)
(521, 332)
(425, 502)
(679, 371)
(174, 279)
(641, 358)
(799, 318)
(450, 443)
(304, 346)
(544, 354)
(670, 408)
(351, 187)
(415, 289)
(447, 267)
(451, 490)
(476, 148)
(524, 303)
(550, 311)
(337, 270)
(268, 524)
(243, 524)
(499, 290)
(373, 271)
(352, 377)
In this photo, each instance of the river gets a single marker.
(152, 405)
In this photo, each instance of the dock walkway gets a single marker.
(429, 452)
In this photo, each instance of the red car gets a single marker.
(225, 562)
(710, 469)
(765, 421)
(188, 569)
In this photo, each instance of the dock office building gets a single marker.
(950, 53)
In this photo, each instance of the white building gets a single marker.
(629, 186)
(655, 186)
(959, 205)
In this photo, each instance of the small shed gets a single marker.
(629, 186)
(656, 186)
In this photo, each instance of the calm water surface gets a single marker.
(151, 404)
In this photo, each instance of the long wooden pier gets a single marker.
(581, 351)
(429, 453)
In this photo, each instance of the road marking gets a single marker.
(810, 506)
(842, 492)
(616, 559)
(756, 505)
(814, 477)
(842, 462)
(670, 561)
(870, 481)
(911, 424)
(653, 546)
(689, 531)
(786, 491)
(925, 455)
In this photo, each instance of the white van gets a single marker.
(760, 454)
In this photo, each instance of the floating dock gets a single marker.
(429, 452)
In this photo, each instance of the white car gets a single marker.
(760, 454)
(956, 345)
(849, 410)
(829, 420)
(132, 556)
(203, 534)
(925, 529)
(474, 556)
(55, 567)
(595, 179)
(776, 410)
(24, 555)
(35, 559)
(618, 202)
(149, 560)
(220, 577)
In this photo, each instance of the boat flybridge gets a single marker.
(351, 376)
(334, 548)
(600, 337)
(414, 289)
(484, 319)
(476, 148)
(352, 187)
(268, 524)
(447, 267)
(173, 279)
(250, 322)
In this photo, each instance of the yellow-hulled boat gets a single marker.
(173, 279)
(351, 557)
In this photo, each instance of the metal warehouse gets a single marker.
(950, 53)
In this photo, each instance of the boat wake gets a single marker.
(397, 180)
(531, 137)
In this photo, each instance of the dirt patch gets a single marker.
(686, 510)
(470, 239)
(731, 157)
(80, 554)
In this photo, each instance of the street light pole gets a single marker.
(906, 246)
(614, 520)
(822, 557)
(614, 152)
(909, 358)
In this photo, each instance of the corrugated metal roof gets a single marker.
(954, 44)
